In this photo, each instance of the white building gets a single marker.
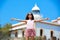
(43, 28)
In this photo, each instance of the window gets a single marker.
(15, 33)
(23, 33)
(51, 33)
(41, 32)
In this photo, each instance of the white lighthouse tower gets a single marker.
(36, 12)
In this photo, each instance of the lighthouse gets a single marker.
(36, 12)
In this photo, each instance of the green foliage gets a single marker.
(6, 27)
(0, 27)
(5, 30)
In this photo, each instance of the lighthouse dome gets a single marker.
(35, 7)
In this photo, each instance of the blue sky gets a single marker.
(19, 9)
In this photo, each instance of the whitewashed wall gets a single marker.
(46, 32)
(19, 33)
(12, 34)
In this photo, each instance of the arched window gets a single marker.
(51, 33)
(41, 32)
(23, 33)
(15, 33)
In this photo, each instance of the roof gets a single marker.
(22, 25)
(18, 24)
(19, 27)
(50, 23)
